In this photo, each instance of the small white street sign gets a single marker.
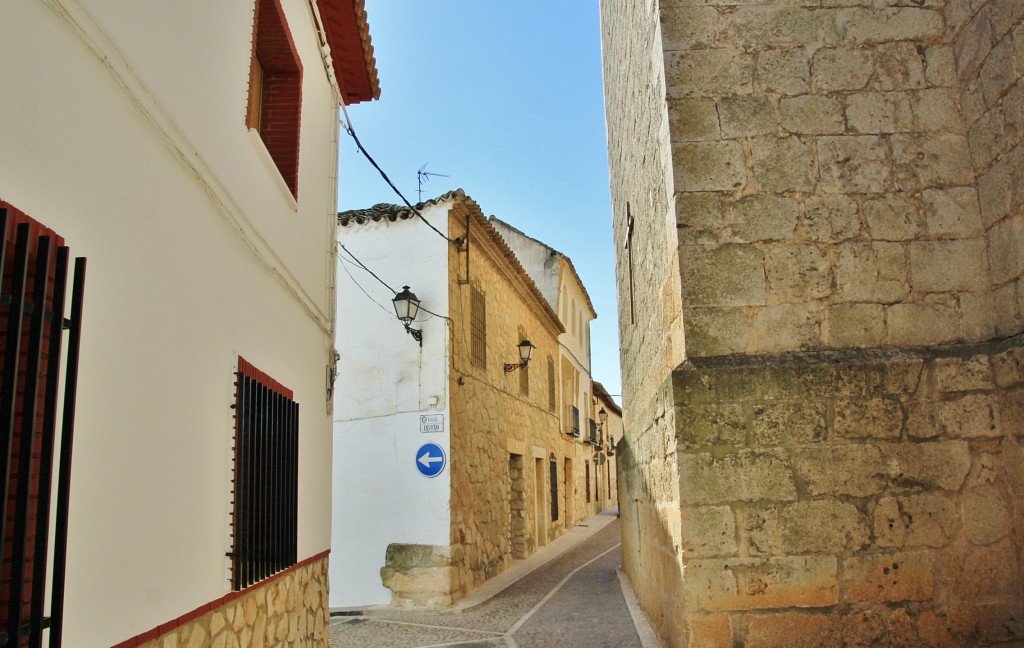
(432, 423)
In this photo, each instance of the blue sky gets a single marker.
(506, 99)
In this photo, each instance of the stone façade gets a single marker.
(823, 430)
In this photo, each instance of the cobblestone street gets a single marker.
(574, 600)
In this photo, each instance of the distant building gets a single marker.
(510, 473)
(186, 150)
(556, 276)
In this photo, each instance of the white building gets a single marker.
(517, 476)
(189, 152)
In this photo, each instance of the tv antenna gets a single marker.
(423, 177)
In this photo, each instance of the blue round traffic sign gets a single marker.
(430, 459)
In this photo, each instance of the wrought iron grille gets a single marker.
(265, 507)
(574, 421)
(34, 278)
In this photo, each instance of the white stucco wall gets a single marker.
(541, 262)
(385, 382)
(122, 128)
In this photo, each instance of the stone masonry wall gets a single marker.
(854, 499)
(647, 280)
(289, 609)
(845, 175)
(826, 191)
(492, 419)
(989, 53)
(639, 158)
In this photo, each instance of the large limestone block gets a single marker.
(708, 531)
(852, 469)
(764, 218)
(709, 166)
(841, 68)
(708, 73)
(872, 272)
(812, 114)
(783, 327)
(784, 71)
(892, 217)
(900, 576)
(715, 584)
(783, 164)
(747, 116)
(924, 161)
(952, 212)
(946, 266)
(777, 27)
(921, 324)
(864, 26)
(747, 475)
(855, 164)
(826, 526)
(726, 275)
(830, 219)
(914, 521)
(854, 325)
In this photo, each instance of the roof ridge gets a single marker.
(393, 212)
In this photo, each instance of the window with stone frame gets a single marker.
(477, 327)
(274, 107)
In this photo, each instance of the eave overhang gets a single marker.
(348, 36)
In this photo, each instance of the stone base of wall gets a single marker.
(287, 609)
(421, 576)
(853, 498)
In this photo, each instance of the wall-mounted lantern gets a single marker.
(525, 351)
(406, 306)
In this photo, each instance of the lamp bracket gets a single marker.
(416, 334)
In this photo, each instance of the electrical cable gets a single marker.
(363, 290)
(371, 272)
(383, 283)
(352, 133)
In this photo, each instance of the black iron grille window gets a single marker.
(265, 507)
(34, 279)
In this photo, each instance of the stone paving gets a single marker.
(573, 601)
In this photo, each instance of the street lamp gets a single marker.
(406, 306)
(525, 351)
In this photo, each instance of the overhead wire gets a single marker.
(374, 275)
(347, 125)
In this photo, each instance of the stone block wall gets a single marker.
(640, 160)
(498, 433)
(844, 436)
(853, 498)
(422, 575)
(988, 40)
(826, 180)
(288, 609)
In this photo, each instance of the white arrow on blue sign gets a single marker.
(430, 459)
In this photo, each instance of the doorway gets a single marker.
(539, 508)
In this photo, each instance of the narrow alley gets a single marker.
(567, 595)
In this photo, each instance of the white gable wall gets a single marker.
(386, 382)
(123, 130)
